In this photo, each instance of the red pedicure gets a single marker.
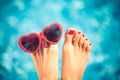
(79, 32)
(86, 39)
(83, 35)
(71, 32)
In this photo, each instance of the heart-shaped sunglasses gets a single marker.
(31, 42)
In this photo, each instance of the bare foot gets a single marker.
(46, 61)
(75, 55)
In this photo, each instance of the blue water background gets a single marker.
(98, 19)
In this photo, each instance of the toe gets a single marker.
(85, 44)
(53, 47)
(88, 47)
(45, 44)
(81, 40)
(52, 50)
(69, 35)
(76, 39)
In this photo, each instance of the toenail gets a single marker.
(83, 35)
(71, 32)
(86, 39)
(79, 32)
(90, 44)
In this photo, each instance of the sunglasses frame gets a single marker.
(24, 49)
(42, 33)
(40, 36)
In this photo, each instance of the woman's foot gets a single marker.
(75, 55)
(46, 61)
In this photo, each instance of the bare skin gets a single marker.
(46, 61)
(75, 55)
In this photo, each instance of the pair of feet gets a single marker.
(75, 55)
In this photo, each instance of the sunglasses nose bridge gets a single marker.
(41, 35)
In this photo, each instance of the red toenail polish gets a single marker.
(79, 32)
(71, 32)
(86, 39)
(83, 35)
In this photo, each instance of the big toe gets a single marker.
(69, 35)
(53, 47)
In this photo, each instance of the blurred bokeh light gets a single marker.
(98, 19)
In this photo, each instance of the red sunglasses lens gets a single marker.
(52, 33)
(30, 43)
